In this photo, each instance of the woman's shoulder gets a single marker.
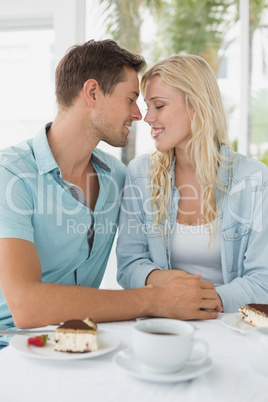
(140, 165)
(245, 166)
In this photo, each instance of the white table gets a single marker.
(231, 378)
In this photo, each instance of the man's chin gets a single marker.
(125, 143)
(119, 144)
(117, 140)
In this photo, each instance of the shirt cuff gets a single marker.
(140, 274)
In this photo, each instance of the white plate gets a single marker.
(106, 340)
(127, 361)
(235, 322)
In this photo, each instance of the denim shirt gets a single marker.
(242, 208)
(37, 205)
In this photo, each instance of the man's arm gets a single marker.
(34, 304)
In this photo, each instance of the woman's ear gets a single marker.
(90, 88)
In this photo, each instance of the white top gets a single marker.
(191, 251)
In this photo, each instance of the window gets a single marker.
(27, 83)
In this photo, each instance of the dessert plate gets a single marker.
(127, 361)
(107, 342)
(235, 322)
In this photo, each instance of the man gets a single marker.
(60, 201)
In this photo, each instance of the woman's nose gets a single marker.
(148, 117)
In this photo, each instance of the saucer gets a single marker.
(127, 361)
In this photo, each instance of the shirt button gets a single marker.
(236, 235)
(58, 172)
(219, 213)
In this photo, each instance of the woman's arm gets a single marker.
(252, 285)
(133, 256)
(135, 263)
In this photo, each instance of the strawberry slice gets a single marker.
(38, 340)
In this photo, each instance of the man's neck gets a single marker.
(70, 144)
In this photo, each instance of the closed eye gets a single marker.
(159, 107)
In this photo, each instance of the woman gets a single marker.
(193, 206)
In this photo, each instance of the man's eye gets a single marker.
(131, 100)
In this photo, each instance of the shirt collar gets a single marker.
(44, 158)
(226, 169)
(95, 158)
(172, 172)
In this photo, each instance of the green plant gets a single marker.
(197, 27)
(259, 117)
(235, 145)
(264, 158)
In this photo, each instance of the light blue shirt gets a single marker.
(242, 208)
(37, 205)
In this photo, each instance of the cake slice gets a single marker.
(76, 336)
(255, 314)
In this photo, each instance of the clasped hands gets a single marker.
(185, 296)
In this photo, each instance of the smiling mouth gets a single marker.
(156, 132)
(127, 126)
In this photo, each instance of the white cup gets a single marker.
(164, 345)
(258, 349)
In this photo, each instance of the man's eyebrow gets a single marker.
(135, 93)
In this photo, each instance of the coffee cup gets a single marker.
(257, 347)
(164, 345)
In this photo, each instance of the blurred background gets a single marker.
(231, 35)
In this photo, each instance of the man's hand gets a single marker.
(184, 296)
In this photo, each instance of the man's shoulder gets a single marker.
(17, 158)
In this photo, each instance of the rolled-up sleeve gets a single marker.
(16, 207)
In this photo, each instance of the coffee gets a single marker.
(165, 354)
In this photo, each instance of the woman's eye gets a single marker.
(131, 100)
(159, 107)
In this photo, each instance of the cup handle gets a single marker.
(201, 359)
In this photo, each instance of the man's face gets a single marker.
(114, 113)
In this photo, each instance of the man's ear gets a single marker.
(90, 88)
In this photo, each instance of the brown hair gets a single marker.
(104, 61)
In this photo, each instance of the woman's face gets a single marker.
(167, 115)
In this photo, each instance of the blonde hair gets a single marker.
(193, 76)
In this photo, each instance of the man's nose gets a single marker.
(136, 113)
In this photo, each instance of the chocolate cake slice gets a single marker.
(255, 314)
(76, 336)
